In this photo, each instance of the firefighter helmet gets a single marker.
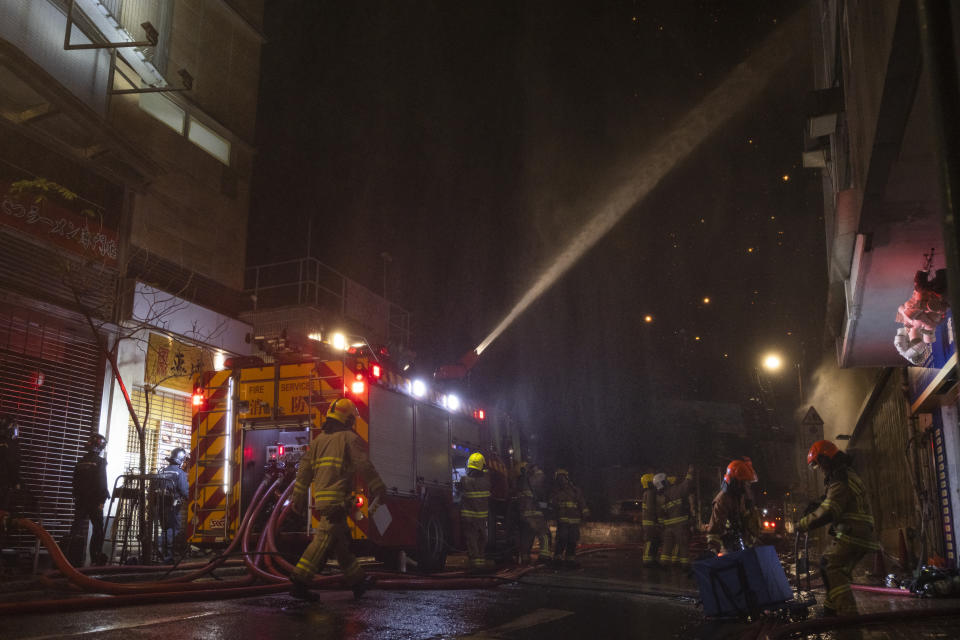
(343, 411)
(646, 481)
(96, 444)
(741, 470)
(821, 448)
(178, 456)
(561, 473)
(659, 480)
(476, 461)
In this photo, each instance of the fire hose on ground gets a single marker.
(182, 588)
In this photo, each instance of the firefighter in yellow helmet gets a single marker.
(846, 510)
(648, 520)
(475, 511)
(675, 517)
(335, 457)
(568, 503)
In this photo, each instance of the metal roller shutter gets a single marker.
(50, 375)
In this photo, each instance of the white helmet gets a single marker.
(659, 480)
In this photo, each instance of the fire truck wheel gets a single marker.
(433, 539)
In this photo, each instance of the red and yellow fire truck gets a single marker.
(419, 439)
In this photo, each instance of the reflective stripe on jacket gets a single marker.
(675, 505)
(329, 467)
(569, 504)
(648, 512)
(475, 497)
(846, 506)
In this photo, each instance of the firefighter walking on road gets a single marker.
(328, 468)
(731, 526)
(846, 509)
(475, 511)
(676, 521)
(648, 520)
(570, 507)
(89, 493)
(533, 523)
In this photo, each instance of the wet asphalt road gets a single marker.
(609, 596)
(598, 600)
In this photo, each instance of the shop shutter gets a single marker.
(50, 380)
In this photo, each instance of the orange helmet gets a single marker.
(821, 448)
(741, 470)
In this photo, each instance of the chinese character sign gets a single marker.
(172, 364)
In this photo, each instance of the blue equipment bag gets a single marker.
(741, 583)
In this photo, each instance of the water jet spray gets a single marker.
(741, 87)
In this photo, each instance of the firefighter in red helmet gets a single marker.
(733, 521)
(846, 510)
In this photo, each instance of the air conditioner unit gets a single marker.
(822, 107)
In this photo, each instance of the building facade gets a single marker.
(125, 164)
(892, 394)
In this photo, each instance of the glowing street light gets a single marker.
(772, 362)
(648, 319)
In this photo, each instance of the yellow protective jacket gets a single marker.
(569, 504)
(475, 497)
(845, 506)
(676, 503)
(527, 503)
(648, 517)
(329, 467)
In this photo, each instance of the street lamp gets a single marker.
(772, 362)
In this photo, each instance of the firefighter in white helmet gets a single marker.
(475, 511)
(334, 458)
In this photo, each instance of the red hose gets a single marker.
(254, 562)
(888, 591)
(101, 586)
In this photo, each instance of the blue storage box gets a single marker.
(741, 583)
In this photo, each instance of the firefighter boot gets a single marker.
(301, 591)
(366, 582)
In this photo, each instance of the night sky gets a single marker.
(471, 141)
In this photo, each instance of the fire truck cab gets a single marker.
(419, 440)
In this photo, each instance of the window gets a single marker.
(130, 14)
(164, 110)
(213, 143)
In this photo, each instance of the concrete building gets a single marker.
(870, 133)
(125, 165)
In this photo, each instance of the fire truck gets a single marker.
(419, 439)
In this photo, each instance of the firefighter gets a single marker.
(648, 520)
(475, 511)
(533, 523)
(731, 526)
(676, 521)
(9, 461)
(846, 510)
(169, 494)
(570, 507)
(328, 468)
(89, 494)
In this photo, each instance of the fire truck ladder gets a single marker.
(328, 388)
